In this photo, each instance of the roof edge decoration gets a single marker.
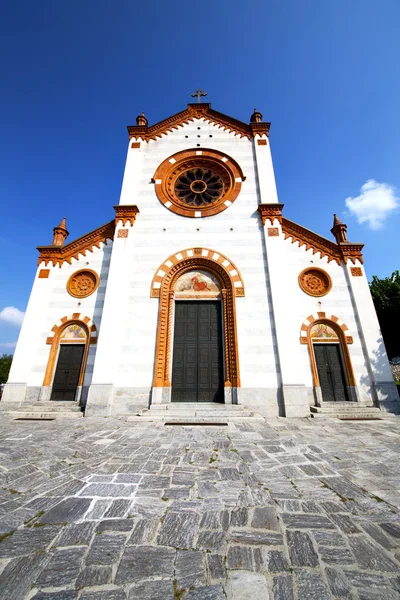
(337, 252)
(198, 111)
(342, 251)
(57, 255)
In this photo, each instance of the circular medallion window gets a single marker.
(198, 183)
(82, 283)
(315, 282)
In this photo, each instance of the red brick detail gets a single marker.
(262, 142)
(273, 231)
(44, 273)
(122, 233)
(356, 271)
(135, 145)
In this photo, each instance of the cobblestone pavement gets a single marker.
(103, 509)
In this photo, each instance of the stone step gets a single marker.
(348, 407)
(350, 416)
(188, 419)
(220, 414)
(40, 406)
(180, 406)
(20, 414)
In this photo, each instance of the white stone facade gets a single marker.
(275, 369)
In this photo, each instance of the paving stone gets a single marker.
(77, 534)
(345, 523)
(256, 537)
(306, 521)
(377, 534)
(239, 517)
(105, 549)
(178, 530)
(277, 561)
(339, 555)
(144, 532)
(210, 520)
(98, 509)
(213, 592)
(61, 595)
(250, 585)
(382, 594)
(240, 557)
(27, 541)
(118, 508)
(62, 569)
(153, 590)
(391, 528)
(128, 478)
(265, 518)
(67, 511)
(145, 561)
(301, 551)
(189, 569)
(109, 490)
(311, 586)
(94, 575)
(115, 525)
(365, 579)
(216, 566)
(117, 594)
(369, 556)
(282, 587)
(338, 583)
(17, 577)
(212, 540)
(329, 538)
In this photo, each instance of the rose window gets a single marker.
(82, 283)
(199, 187)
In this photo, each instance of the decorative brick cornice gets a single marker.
(271, 212)
(198, 111)
(352, 251)
(57, 255)
(125, 212)
(312, 240)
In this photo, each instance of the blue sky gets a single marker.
(74, 74)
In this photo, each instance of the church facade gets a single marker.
(199, 289)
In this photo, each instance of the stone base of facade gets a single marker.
(296, 399)
(388, 397)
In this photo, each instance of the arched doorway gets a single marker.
(196, 349)
(330, 359)
(197, 356)
(68, 355)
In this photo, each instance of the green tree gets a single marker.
(5, 364)
(386, 296)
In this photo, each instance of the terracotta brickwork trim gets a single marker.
(197, 253)
(198, 111)
(57, 255)
(54, 340)
(125, 213)
(344, 337)
(162, 367)
(270, 212)
(317, 243)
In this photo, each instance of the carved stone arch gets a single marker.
(197, 253)
(54, 340)
(344, 338)
(166, 294)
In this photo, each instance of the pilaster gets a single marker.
(292, 363)
(383, 386)
(265, 170)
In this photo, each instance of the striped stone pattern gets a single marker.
(197, 252)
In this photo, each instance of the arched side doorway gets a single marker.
(328, 338)
(197, 322)
(70, 340)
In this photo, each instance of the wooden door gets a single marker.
(197, 371)
(68, 370)
(331, 373)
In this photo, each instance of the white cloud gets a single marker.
(8, 344)
(375, 202)
(12, 315)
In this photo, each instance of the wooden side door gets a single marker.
(331, 372)
(68, 370)
(197, 371)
